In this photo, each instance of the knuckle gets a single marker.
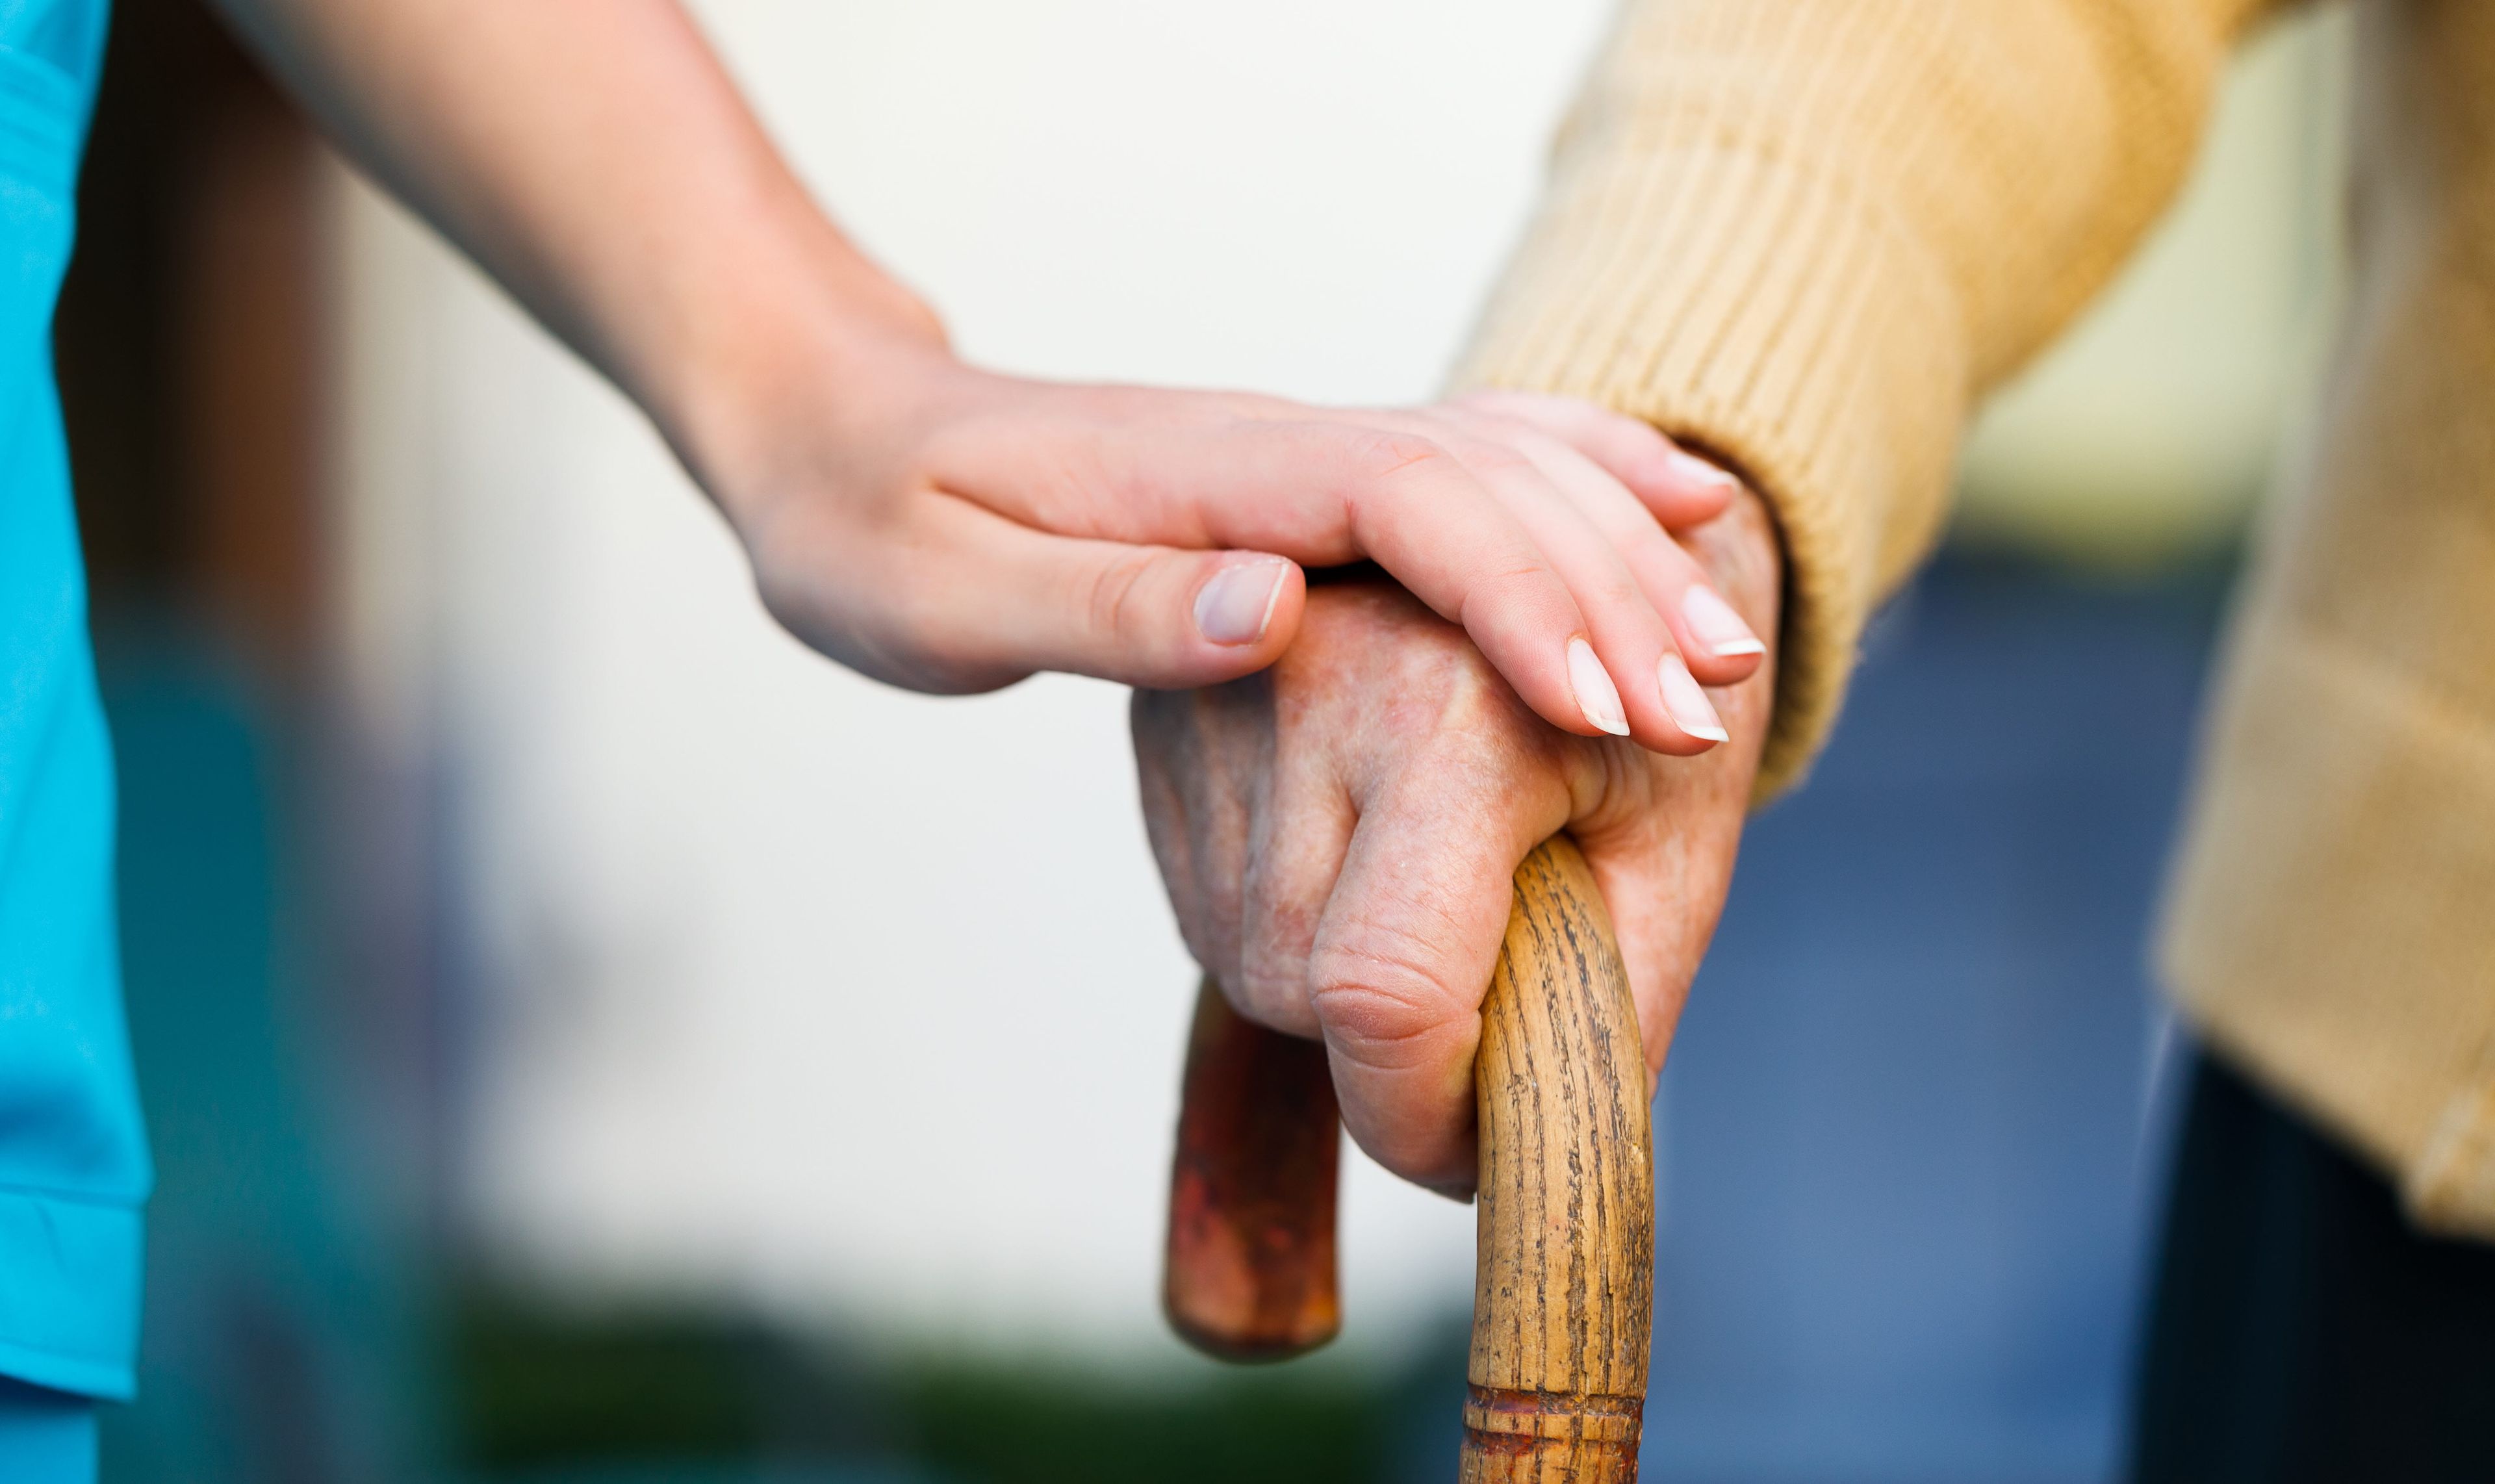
(1111, 599)
(1649, 541)
(1500, 457)
(1453, 703)
(1611, 791)
(1495, 429)
(1274, 959)
(1383, 1005)
(1619, 594)
(1526, 590)
(1387, 453)
(1478, 713)
(1498, 402)
(1271, 990)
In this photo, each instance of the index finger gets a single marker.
(1404, 956)
(1322, 491)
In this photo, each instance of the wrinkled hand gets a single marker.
(1339, 836)
(949, 528)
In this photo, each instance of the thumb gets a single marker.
(1157, 617)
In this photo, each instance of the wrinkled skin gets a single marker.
(1338, 833)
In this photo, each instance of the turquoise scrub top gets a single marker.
(73, 1166)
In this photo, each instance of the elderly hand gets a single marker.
(1338, 833)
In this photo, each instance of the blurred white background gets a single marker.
(805, 990)
(801, 992)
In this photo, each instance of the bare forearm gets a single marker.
(596, 159)
(946, 528)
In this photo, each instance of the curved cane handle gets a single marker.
(1564, 1298)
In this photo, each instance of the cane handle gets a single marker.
(1563, 1297)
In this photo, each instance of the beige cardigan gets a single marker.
(1808, 235)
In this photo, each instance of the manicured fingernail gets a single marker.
(1692, 468)
(1596, 697)
(1236, 605)
(1715, 624)
(1691, 711)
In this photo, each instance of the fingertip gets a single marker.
(1533, 633)
(1597, 697)
(1680, 489)
(1245, 611)
(1686, 701)
(1717, 662)
(1673, 742)
(1718, 643)
(1725, 669)
(1290, 604)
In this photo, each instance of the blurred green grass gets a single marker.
(539, 1395)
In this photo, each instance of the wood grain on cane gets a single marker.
(1565, 1292)
(1563, 1304)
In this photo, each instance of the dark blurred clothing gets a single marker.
(2301, 1329)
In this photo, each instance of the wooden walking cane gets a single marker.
(1563, 1299)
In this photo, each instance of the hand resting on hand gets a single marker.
(1338, 836)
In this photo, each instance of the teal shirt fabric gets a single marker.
(74, 1168)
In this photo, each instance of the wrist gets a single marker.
(795, 351)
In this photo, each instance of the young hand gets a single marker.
(952, 530)
(949, 528)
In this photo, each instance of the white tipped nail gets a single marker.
(1714, 623)
(1596, 697)
(1691, 711)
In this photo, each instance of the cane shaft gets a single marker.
(1251, 1267)
(1564, 1278)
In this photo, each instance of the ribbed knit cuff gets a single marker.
(1774, 320)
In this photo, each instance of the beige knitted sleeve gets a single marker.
(1804, 234)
